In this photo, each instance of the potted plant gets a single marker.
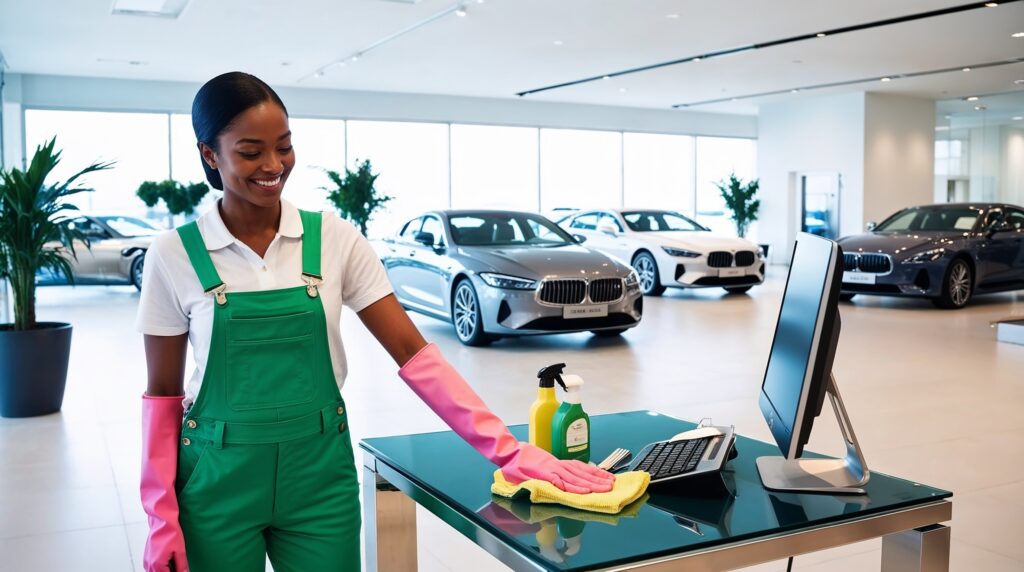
(178, 198)
(354, 195)
(34, 355)
(741, 201)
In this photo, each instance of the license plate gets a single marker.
(589, 311)
(858, 278)
(730, 272)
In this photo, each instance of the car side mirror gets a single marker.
(607, 228)
(580, 239)
(871, 226)
(425, 238)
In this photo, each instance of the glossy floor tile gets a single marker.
(932, 395)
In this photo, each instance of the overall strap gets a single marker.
(199, 256)
(311, 223)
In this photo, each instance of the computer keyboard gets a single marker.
(681, 458)
(669, 458)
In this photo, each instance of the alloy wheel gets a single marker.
(960, 284)
(465, 312)
(644, 267)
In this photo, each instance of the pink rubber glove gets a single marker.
(161, 427)
(443, 389)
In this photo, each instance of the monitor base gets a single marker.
(833, 476)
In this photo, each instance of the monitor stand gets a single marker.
(834, 476)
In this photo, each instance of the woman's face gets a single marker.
(255, 155)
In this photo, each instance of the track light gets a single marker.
(461, 12)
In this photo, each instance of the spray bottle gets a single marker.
(570, 426)
(543, 409)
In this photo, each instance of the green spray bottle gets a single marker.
(570, 427)
(543, 409)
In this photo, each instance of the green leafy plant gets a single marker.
(354, 194)
(33, 215)
(741, 201)
(179, 199)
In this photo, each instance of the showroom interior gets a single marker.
(843, 113)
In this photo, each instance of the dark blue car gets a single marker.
(946, 252)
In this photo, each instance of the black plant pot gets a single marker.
(33, 369)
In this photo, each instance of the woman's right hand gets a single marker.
(532, 462)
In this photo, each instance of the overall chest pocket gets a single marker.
(270, 361)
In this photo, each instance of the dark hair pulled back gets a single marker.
(219, 102)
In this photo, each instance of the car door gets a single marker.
(1015, 221)
(428, 265)
(998, 251)
(88, 267)
(586, 225)
(397, 260)
(617, 244)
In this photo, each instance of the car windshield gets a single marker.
(506, 229)
(652, 221)
(925, 219)
(129, 226)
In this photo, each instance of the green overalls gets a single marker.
(265, 464)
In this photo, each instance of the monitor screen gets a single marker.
(800, 361)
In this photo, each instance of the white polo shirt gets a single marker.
(173, 301)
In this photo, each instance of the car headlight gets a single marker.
(510, 282)
(680, 252)
(926, 256)
(632, 282)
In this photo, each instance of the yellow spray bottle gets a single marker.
(543, 409)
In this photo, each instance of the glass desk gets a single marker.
(718, 524)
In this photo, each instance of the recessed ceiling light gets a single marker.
(318, 74)
(1017, 35)
(1018, 81)
(1017, 117)
(606, 77)
(966, 69)
(820, 34)
(971, 98)
(886, 79)
(558, 42)
(991, 4)
(793, 90)
(623, 90)
(354, 58)
(696, 59)
(461, 12)
(672, 16)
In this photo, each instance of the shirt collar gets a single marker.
(217, 236)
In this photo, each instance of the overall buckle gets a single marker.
(218, 293)
(312, 284)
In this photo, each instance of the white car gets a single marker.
(668, 249)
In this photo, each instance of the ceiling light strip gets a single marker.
(362, 52)
(850, 82)
(750, 47)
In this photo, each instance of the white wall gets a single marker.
(1011, 178)
(805, 135)
(899, 154)
(61, 92)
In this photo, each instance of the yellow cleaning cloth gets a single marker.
(627, 488)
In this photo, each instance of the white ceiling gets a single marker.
(507, 46)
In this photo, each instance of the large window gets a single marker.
(137, 141)
(581, 169)
(717, 158)
(412, 160)
(319, 144)
(494, 167)
(658, 171)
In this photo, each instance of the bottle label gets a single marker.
(577, 436)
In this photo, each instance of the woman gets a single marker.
(261, 463)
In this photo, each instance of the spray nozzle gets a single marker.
(550, 374)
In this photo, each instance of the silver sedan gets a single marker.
(115, 255)
(505, 273)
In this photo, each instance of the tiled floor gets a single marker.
(933, 397)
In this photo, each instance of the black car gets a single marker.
(946, 252)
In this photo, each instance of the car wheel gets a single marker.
(647, 270)
(609, 333)
(738, 289)
(466, 316)
(957, 286)
(846, 297)
(135, 274)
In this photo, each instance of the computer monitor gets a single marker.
(799, 375)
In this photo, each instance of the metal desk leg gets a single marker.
(389, 524)
(920, 550)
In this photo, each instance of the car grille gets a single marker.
(744, 258)
(563, 291)
(867, 262)
(719, 259)
(605, 290)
